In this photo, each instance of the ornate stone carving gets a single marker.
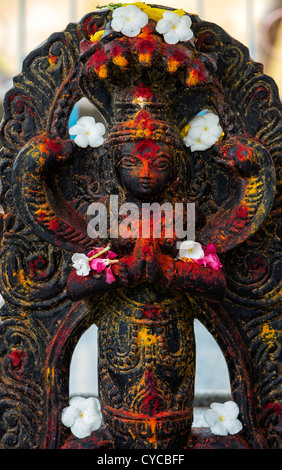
(148, 91)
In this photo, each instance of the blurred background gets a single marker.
(25, 24)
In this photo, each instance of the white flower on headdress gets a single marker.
(83, 416)
(88, 132)
(129, 20)
(2, 301)
(190, 250)
(222, 418)
(204, 131)
(174, 28)
(81, 264)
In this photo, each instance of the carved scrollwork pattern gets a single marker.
(39, 231)
(21, 401)
(252, 269)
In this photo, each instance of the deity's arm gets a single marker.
(81, 287)
(252, 188)
(39, 200)
(127, 271)
(174, 274)
(189, 277)
(195, 279)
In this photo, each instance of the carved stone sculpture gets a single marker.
(148, 91)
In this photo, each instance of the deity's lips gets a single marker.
(146, 183)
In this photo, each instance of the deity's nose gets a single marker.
(145, 170)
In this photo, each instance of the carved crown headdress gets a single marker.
(142, 114)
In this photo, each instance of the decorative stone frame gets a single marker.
(40, 324)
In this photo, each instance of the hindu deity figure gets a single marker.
(174, 139)
(146, 339)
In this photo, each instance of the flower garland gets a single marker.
(204, 130)
(101, 259)
(190, 251)
(130, 18)
(97, 260)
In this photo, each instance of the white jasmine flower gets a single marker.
(81, 264)
(2, 301)
(83, 416)
(88, 132)
(129, 20)
(222, 418)
(191, 250)
(204, 131)
(174, 28)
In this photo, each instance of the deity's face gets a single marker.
(145, 168)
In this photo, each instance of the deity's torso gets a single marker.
(146, 366)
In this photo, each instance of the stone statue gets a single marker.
(191, 122)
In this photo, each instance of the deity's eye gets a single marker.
(162, 163)
(129, 162)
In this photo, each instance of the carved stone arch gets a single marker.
(47, 182)
(238, 360)
(57, 367)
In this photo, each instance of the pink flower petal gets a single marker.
(213, 261)
(101, 265)
(93, 264)
(210, 258)
(202, 261)
(210, 249)
(92, 253)
(109, 276)
(98, 264)
(111, 255)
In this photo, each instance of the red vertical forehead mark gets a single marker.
(147, 145)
